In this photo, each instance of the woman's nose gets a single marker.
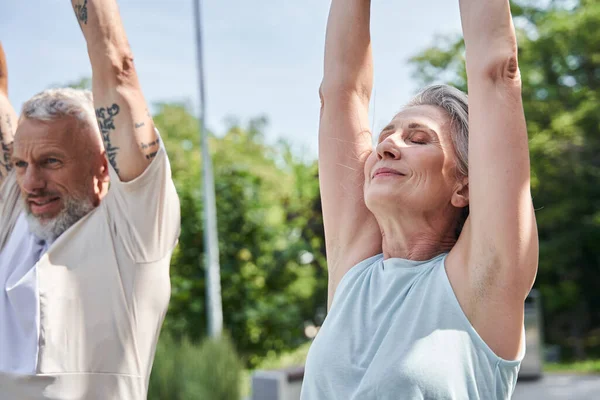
(388, 150)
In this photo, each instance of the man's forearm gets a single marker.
(126, 127)
(105, 36)
(8, 120)
(3, 72)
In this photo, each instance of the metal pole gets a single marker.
(214, 308)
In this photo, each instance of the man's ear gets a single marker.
(104, 175)
(460, 197)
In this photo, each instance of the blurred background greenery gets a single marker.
(273, 268)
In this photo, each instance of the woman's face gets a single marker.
(413, 166)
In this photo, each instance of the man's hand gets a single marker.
(8, 120)
(125, 124)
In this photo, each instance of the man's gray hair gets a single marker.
(455, 103)
(53, 104)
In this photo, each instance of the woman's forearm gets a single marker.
(490, 40)
(348, 56)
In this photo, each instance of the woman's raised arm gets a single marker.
(351, 232)
(499, 244)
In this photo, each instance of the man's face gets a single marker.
(58, 169)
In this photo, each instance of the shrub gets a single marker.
(187, 371)
(164, 383)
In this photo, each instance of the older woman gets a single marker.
(431, 237)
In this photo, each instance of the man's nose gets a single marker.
(33, 180)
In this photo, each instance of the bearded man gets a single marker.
(89, 217)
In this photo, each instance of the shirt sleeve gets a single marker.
(144, 213)
(9, 206)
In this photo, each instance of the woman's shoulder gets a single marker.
(357, 273)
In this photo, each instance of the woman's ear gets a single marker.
(460, 197)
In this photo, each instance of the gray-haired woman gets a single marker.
(431, 237)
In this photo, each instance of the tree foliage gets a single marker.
(559, 57)
(270, 236)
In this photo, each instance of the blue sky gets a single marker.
(261, 58)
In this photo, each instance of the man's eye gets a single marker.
(20, 164)
(52, 161)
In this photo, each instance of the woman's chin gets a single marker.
(382, 200)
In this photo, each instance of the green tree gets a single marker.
(81, 83)
(559, 57)
(270, 236)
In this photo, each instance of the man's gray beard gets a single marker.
(50, 230)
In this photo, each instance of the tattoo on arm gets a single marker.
(82, 12)
(106, 123)
(5, 148)
(139, 125)
(152, 153)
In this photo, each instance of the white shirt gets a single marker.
(19, 300)
(104, 290)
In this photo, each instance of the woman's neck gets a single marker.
(416, 240)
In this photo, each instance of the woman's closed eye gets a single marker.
(418, 138)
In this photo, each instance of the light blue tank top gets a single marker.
(395, 330)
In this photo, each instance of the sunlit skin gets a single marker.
(411, 183)
(58, 160)
(492, 265)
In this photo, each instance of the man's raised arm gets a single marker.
(123, 118)
(8, 120)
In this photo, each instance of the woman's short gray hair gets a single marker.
(455, 103)
(53, 104)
